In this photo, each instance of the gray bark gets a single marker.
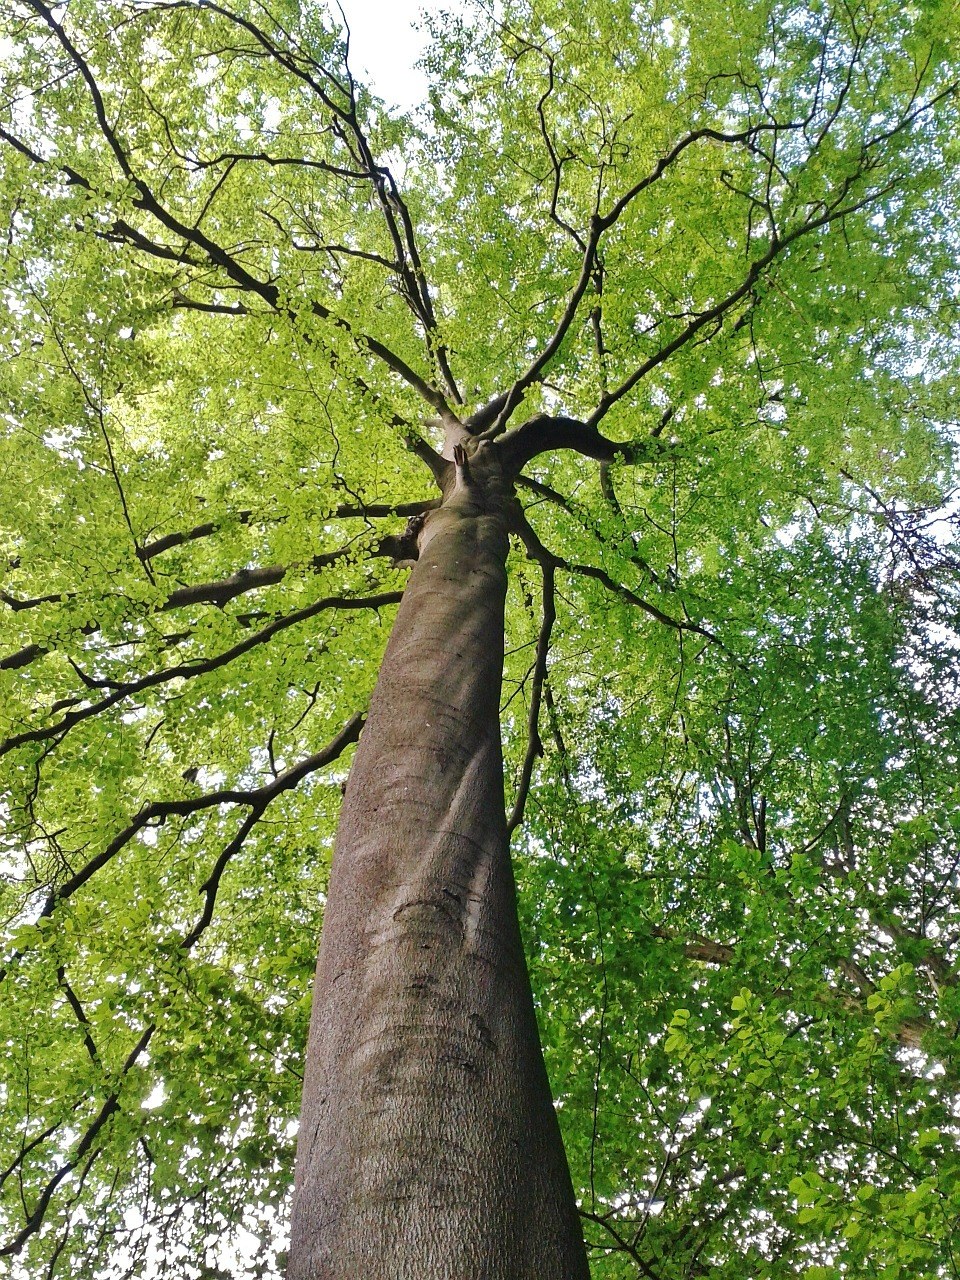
(429, 1148)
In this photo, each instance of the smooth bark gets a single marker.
(429, 1148)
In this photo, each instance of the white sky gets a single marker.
(384, 45)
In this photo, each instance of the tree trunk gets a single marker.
(429, 1148)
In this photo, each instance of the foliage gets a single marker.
(238, 293)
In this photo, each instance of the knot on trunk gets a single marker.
(477, 479)
(461, 465)
(404, 548)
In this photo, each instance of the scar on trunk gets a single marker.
(461, 464)
(404, 548)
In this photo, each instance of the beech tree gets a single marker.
(616, 387)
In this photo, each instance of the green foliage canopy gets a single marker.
(717, 250)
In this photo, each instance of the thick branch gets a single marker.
(369, 511)
(544, 434)
(219, 592)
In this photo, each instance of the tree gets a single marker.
(635, 347)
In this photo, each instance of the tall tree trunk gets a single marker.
(429, 1148)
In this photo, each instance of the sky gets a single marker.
(384, 46)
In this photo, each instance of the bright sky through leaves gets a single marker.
(384, 45)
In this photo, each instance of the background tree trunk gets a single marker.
(429, 1148)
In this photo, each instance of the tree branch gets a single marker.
(600, 223)
(544, 433)
(909, 1031)
(537, 551)
(188, 670)
(109, 1108)
(369, 511)
(192, 235)
(534, 742)
(257, 800)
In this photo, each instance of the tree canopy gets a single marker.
(697, 267)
